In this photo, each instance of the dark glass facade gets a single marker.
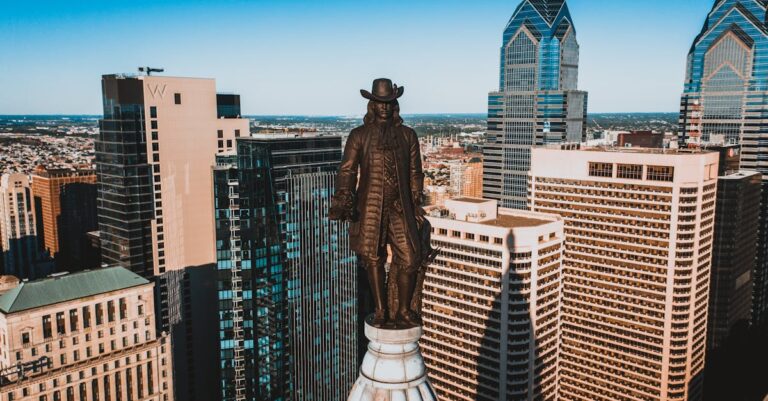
(726, 99)
(537, 102)
(255, 281)
(733, 253)
(125, 200)
(78, 217)
(227, 105)
(322, 291)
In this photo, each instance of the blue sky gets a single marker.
(312, 57)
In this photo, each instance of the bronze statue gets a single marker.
(379, 190)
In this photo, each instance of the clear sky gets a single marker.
(312, 57)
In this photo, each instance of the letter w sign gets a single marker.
(157, 90)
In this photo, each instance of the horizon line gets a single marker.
(338, 115)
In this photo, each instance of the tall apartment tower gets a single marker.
(472, 184)
(154, 159)
(287, 279)
(735, 245)
(18, 232)
(537, 101)
(491, 302)
(66, 201)
(726, 95)
(83, 336)
(638, 249)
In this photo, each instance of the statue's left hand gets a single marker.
(419, 213)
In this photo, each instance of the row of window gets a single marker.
(75, 316)
(632, 171)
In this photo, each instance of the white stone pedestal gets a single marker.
(393, 368)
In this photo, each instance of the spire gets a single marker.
(548, 8)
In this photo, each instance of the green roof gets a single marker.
(53, 290)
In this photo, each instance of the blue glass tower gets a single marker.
(726, 100)
(537, 102)
(286, 278)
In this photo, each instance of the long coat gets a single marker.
(361, 155)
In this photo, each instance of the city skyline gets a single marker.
(215, 233)
(260, 50)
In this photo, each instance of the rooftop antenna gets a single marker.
(150, 70)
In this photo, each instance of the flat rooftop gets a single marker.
(637, 150)
(512, 221)
(470, 200)
(736, 175)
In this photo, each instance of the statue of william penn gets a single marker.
(379, 190)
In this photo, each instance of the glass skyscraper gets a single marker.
(286, 278)
(726, 100)
(322, 291)
(537, 102)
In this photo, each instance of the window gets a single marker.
(153, 124)
(47, 332)
(107, 393)
(155, 147)
(123, 309)
(229, 143)
(237, 133)
(141, 310)
(25, 338)
(73, 320)
(221, 144)
(99, 314)
(484, 238)
(152, 112)
(86, 317)
(600, 169)
(177, 98)
(220, 134)
(95, 389)
(661, 173)
(630, 171)
(498, 241)
(60, 328)
(111, 311)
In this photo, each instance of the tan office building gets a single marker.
(46, 186)
(85, 336)
(638, 229)
(490, 305)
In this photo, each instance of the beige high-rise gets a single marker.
(155, 156)
(638, 229)
(86, 336)
(17, 208)
(19, 253)
(166, 170)
(490, 303)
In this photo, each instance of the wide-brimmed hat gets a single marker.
(383, 90)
